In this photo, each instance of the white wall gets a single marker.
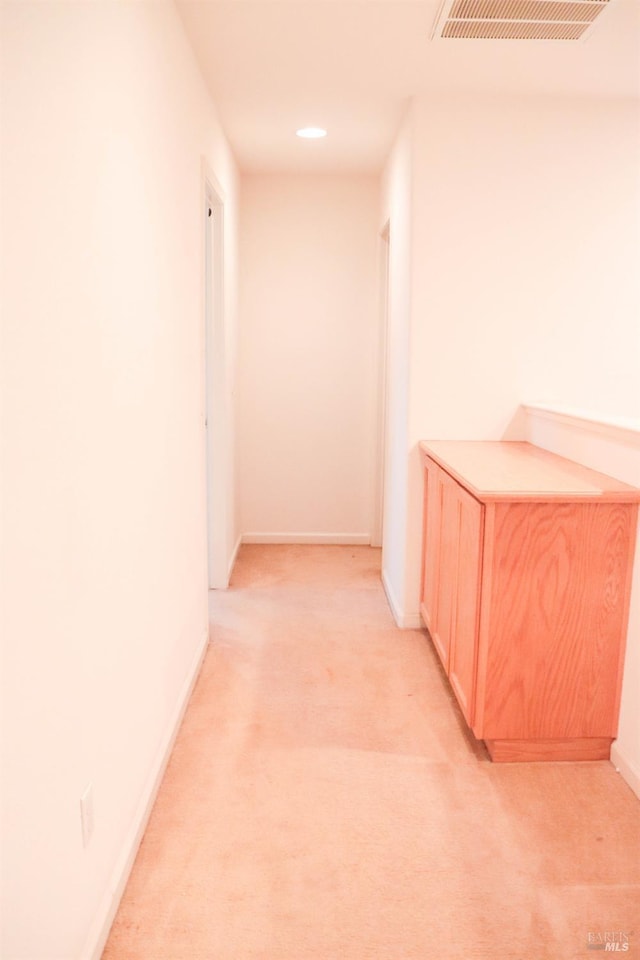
(307, 356)
(397, 211)
(524, 240)
(105, 119)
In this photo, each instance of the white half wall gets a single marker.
(105, 120)
(307, 356)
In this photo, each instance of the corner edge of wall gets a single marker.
(108, 907)
(625, 768)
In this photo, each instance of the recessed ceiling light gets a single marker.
(311, 133)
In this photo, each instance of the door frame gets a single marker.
(216, 419)
(382, 387)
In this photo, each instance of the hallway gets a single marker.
(324, 800)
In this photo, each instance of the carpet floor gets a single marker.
(325, 800)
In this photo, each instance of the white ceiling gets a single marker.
(352, 65)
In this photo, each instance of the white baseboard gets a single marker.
(412, 621)
(101, 926)
(234, 557)
(406, 621)
(391, 599)
(626, 770)
(346, 539)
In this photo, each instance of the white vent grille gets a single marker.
(518, 19)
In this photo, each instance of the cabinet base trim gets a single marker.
(580, 748)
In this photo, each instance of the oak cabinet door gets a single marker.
(431, 558)
(555, 619)
(464, 632)
(447, 569)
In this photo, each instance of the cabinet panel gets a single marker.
(431, 554)
(448, 569)
(464, 645)
(526, 583)
(556, 617)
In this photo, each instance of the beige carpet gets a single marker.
(324, 801)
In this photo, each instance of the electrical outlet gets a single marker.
(86, 814)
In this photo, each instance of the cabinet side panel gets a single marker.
(558, 607)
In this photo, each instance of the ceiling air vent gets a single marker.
(518, 19)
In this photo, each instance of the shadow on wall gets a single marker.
(516, 428)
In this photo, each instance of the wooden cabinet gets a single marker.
(451, 578)
(525, 592)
